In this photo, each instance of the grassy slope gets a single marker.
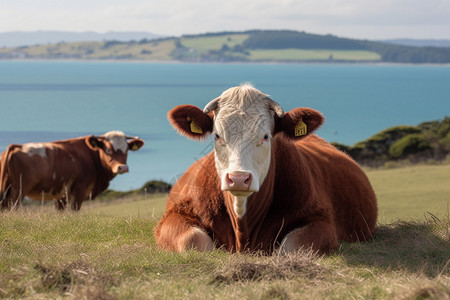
(156, 51)
(108, 250)
(204, 44)
(319, 54)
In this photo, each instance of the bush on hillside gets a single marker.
(407, 145)
(150, 187)
(156, 186)
(342, 147)
(375, 150)
(445, 142)
(427, 141)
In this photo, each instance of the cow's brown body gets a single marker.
(67, 171)
(311, 186)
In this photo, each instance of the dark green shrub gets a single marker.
(342, 147)
(445, 142)
(410, 144)
(156, 186)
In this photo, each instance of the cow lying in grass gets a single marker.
(268, 183)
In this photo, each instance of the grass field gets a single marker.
(411, 192)
(204, 44)
(107, 251)
(312, 55)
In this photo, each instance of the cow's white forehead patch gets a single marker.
(117, 140)
(34, 149)
(244, 109)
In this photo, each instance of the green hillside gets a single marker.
(248, 46)
(426, 142)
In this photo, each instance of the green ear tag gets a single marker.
(195, 128)
(301, 128)
(134, 147)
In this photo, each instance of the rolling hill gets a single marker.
(247, 46)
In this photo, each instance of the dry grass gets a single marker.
(95, 255)
(276, 267)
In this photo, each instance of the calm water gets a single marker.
(45, 101)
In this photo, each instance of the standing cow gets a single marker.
(67, 171)
(268, 183)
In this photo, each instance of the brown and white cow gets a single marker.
(268, 183)
(67, 171)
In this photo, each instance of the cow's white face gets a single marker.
(243, 127)
(243, 121)
(113, 149)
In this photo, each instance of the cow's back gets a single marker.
(47, 170)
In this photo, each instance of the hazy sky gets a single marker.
(371, 19)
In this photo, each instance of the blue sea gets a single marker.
(45, 101)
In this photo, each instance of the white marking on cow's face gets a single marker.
(117, 140)
(35, 149)
(243, 125)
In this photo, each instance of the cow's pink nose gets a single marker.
(122, 169)
(239, 182)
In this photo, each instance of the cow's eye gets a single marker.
(264, 139)
(108, 151)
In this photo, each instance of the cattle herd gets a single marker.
(269, 184)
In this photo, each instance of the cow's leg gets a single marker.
(174, 233)
(319, 236)
(4, 200)
(60, 204)
(76, 193)
(75, 203)
(75, 198)
(13, 197)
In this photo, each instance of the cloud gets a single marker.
(361, 19)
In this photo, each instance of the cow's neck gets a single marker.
(253, 210)
(103, 176)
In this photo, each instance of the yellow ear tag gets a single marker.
(301, 129)
(194, 127)
(134, 147)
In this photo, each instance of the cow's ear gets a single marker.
(191, 121)
(94, 143)
(299, 122)
(135, 144)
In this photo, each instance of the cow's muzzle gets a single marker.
(238, 183)
(122, 169)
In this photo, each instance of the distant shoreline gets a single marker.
(227, 63)
(249, 47)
